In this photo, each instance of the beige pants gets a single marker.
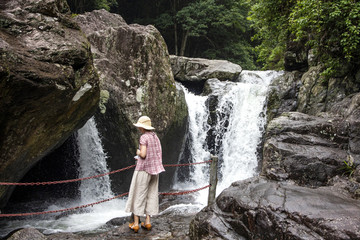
(143, 195)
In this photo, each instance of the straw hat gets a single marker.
(144, 122)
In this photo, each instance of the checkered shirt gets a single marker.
(152, 163)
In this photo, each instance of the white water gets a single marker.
(239, 129)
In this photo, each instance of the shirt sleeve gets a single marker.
(143, 140)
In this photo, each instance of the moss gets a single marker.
(104, 98)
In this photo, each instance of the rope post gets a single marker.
(213, 179)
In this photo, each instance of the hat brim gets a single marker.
(143, 126)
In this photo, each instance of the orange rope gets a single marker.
(92, 204)
(65, 181)
(86, 178)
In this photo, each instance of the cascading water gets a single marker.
(236, 131)
(92, 161)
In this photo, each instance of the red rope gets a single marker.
(92, 204)
(185, 164)
(186, 192)
(86, 178)
(65, 181)
(61, 210)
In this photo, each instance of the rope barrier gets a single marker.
(92, 204)
(185, 164)
(65, 181)
(86, 178)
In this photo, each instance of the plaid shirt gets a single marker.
(152, 163)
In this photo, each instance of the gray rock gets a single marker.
(283, 93)
(134, 68)
(307, 149)
(48, 84)
(197, 69)
(27, 234)
(258, 208)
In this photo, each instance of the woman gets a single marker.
(143, 194)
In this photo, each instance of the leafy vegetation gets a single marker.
(349, 166)
(330, 28)
(252, 33)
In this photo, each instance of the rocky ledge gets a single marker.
(258, 208)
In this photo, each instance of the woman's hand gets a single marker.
(142, 151)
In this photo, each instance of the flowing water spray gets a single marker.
(237, 131)
(92, 161)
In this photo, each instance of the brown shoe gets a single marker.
(146, 226)
(133, 227)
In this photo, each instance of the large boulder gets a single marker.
(48, 85)
(135, 79)
(198, 69)
(258, 208)
(307, 149)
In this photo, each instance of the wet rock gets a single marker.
(259, 208)
(318, 94)
(309, 150)
(134, 68)
(283, 94)
(197, 69)
(27, 233)
(48, 85)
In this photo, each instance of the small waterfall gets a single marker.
(92, 161)
(235, 133)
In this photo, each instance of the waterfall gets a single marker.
(234, 135)
(92, 161)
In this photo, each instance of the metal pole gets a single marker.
(213, 180)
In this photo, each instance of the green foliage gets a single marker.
(270, 21)
(330, 28)
(197, 17)
(349, 167)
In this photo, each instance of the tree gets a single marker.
(330, 28)
(195, 20)
(270, 21)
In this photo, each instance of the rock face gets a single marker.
(48, 85)
(135, 72)
(307, 149)
(197, 69)
(258, 208)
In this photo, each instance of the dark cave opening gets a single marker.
(60, 164)
(195, 87)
